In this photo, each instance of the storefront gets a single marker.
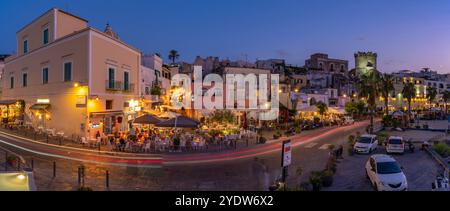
(12, 111)
(40, 114)
(106, 122)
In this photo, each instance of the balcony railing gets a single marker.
(113, 85)
(128, 87)
(119, 86)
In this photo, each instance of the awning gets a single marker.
(180, 122)
(40, 107)
(147, 119)
(106, 113)
(8, 102)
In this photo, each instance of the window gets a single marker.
(45, 36)
(109, 104)
(147, 90)
(332, 67)
(24, 80)
(67, 71)
(11, 83)
(126, 81)
(111, 77)
(342, 68)
(45, 75)
(25, 46)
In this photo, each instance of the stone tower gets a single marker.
(365, 62)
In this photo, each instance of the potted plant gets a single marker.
(277, 135)
(316, 180)
(331, 164)
(327, 178)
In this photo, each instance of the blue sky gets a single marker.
(407, 34)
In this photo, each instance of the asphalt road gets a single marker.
(219, 171)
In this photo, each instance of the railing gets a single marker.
(119, 86)
(113, 85)
(128, 87)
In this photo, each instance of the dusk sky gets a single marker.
(406, 34)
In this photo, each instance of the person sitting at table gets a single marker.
(97, 135)
(122, 143)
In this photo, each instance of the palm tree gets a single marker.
(409, 92)
(368, 85)
(173, 55)
(322, 108)
(431, 94)
(446, 98)
(386, 87)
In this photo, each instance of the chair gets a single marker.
(84, 141)
(147, 147)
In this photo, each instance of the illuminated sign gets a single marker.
(43, 101)
(81, 101)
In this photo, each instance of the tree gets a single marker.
(386, 88)
(173, 55)
(431, 94)
(355, 108)
(223, 117)
(409, 92)
(322, 107)
(446, 98)
(368, 85)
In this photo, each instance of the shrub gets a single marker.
(83, 188)
(442, 149)
(327, 178)
(351, 140)
(316, 180)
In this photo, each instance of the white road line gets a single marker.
(310, 145)
(325, 146)
(77, 159)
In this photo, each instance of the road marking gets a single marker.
(310, 145)
(325, 146)
(79, 159)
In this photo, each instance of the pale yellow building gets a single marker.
(73, 78)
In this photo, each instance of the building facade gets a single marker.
(73, 78)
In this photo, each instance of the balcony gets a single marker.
(113, 85)
(128, 87)
(119, 86)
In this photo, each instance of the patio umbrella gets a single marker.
(180, 121)
(147, 119)
(169, 115)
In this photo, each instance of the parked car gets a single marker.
(395, 144)
(348, 120)
(366, 144)
(385, 174)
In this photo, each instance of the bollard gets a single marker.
(6, 161)
(54, 169)
(32, 164)
(79, 176)
(18, 165)
(107, 179)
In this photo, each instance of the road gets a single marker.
(208, 171)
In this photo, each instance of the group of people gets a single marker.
(163, 140)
